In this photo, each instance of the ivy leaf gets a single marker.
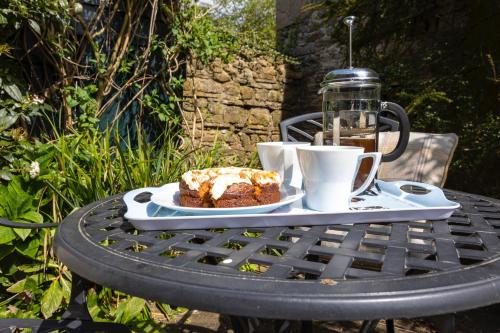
(51, 299)
(13, 91)
(129, 309)
(6, 235)
(23, 233)
(29, 249)
(17, 199)
(32, 216)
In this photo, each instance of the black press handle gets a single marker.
(404, 129)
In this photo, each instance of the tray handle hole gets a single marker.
(414, 189)
(143, 197)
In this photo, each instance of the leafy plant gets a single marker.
(33, 282)
(18, 108)
(254, 19)
(82, 98)
(75, 169)
(90, 106)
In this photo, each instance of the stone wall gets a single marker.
(235, 104)
(241, 103)
(306, 35)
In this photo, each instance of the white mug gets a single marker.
(329, 173)
(282, 158)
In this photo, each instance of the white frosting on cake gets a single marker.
(222, 182)
(195, 178)
(266, 177)
(222, 178)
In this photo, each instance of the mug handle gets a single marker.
(404, 129)
(295, 178)
(376, 161)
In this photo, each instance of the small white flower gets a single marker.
(78, 8)
(12, 309)
(37, 99)
(34, 169)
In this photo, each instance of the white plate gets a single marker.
(168, 197)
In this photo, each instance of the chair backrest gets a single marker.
(426, 158)
(309, 127)
(302, 128)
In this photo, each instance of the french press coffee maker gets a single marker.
(353, 113)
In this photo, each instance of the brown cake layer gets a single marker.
(249, 192)
(267, 194)
(193, 198)
(237, 195)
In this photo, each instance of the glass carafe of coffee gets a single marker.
(353, 113)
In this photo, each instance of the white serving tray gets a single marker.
(386, 202)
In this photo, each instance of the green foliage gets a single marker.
(166, 112)
(66, 83)
(250, 26)
(75, 169)
(82, 97)
(86, 78)
(32, 282)
(198, 34)
(254, 19)
(18, 205)
(14, 14)
(16, 107)
(19, 104)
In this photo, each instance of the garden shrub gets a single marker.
(90, 106)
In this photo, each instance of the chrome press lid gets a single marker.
(362, 75)
(350, 76)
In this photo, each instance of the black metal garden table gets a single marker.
(338, 272)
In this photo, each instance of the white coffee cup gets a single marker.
(282, 157)
(329, 173)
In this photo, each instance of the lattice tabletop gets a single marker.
(342, 272)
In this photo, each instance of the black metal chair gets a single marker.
(76, 318)
(305, 126)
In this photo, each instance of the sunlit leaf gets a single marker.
(22, 233)
(129, 309)
(5, 174)
(51, 299)
(32, 216)
(29, 283)
(13, 91)
(66, 288)
(35, 27)
(6, 235)
(30, 268)
(29, 248)
(7, 121)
